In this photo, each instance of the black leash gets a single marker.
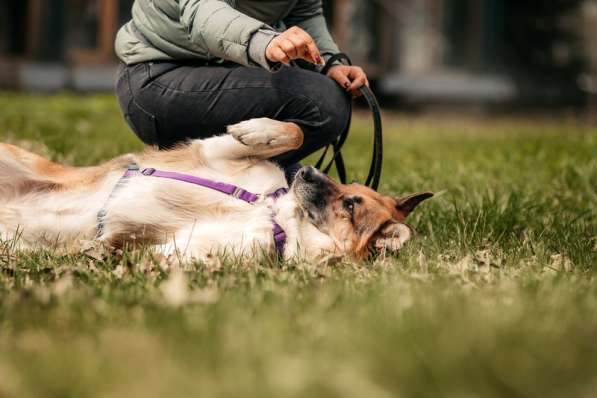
(376, 160)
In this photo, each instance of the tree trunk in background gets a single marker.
(588, 80)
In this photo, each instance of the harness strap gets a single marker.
(279, 237)
(101, 215)
(228, 189)
(377, 157)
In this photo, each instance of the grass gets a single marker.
(496, 297)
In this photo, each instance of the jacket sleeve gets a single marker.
(308, 15)
(219, 29)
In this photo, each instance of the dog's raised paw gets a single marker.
(264, 132)
(254, 132)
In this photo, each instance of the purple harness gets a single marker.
(228, 189)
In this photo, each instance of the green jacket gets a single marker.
(233, 30)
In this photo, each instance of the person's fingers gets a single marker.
(272, 51)
(278, 55)
(314, 52)
(312, 49)
(358, 78)
(304, 41)
(295, 43)
(299, 47)
(351, 78)
(306, 48)
(289, 48)
(340, 76)
(358, 83)
(355, 72)
(357, 92)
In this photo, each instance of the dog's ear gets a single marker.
(392, 236)
(405, 205)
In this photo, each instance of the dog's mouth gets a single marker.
(313, 191)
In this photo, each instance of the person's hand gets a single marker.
(351, 78)
(292, 44)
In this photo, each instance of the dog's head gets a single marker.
(358, 219)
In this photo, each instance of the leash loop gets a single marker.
(375, 168)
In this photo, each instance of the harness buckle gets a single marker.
(237, 192)
(148, 171)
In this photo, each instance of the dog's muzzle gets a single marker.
(313, 191)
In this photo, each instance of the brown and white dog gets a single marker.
(49, 205)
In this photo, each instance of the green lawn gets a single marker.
(496, 297)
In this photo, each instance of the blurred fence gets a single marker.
(420, 51)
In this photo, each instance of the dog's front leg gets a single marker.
(260, 138)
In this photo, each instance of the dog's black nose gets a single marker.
(307, 174)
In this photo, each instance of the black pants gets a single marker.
(167, 102)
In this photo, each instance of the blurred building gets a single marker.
(59, 44)
(480, 51)
(419, 51)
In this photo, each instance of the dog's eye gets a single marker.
(348, 205)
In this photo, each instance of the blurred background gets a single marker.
(488, 53)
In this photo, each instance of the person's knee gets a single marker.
(332, 102)
(335, 108)
(317, 103)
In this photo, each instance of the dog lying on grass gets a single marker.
(45, 204)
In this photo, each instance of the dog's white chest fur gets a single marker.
(195, 221)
